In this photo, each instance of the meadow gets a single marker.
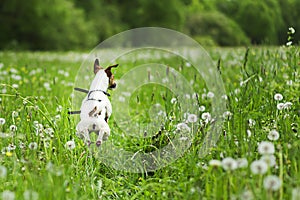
(256, 155)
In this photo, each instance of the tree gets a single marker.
(49, 24)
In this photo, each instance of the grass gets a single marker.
(35, 161)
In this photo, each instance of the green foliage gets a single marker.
(106, 18)
(141, 13)
(44, 25)
(260, 20)
(78, 24)
(223, 30)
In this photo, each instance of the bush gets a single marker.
(41, 25)
(224, 31)
(261, 20)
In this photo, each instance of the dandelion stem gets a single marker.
(281, 174)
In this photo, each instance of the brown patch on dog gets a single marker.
(97, 67)
(92, 111)
(111, 77)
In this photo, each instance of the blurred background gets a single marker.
(82, 24)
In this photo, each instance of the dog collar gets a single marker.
(107, 94)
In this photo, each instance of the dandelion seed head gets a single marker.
(30, 195)
(227, 115)
(242, 162)
(70, 145)
(251, 122)
(292, 30)
(247, 195)
(229, 164)
(173, 100)
(210, 95)
(248, 133)
(206, 116)
(2, 121)
(201, 108)
(8, 195)
(269, 159)
(296, 193)
(33, 145)
(289, 43)
(192, 118)
(183, 127)
(266, 147)
(278, 97)
(215, 163)
(272, 183)
(259, 167)
(273, 135)
(3, 172)
(280, 106)
(224, 96)
(13, 128)
(287, 105)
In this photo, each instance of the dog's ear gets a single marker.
(97, 67)
(108, 69)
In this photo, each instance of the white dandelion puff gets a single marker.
(13, 128)
(242, 162)
(3, 172)
(229, 164)
(173, 100)
(247, 195)
(210, 95)
(192, 118)
(296, 193)
(202, 108)
(272, 183)
(273, 135)
(287, 105)
(183, 127)
(292, 30)
(70, 145)
(280, 106)
(251, 122)
(278, 97)
(224, 96)
(2, 121)
(215, 163)
(248, 133)
(259, 167)
(269, 159)
(33, 145)
(227, 115)
(8, 195)
(265, 148)
(289, 43)
(206, 116)
(30, 195)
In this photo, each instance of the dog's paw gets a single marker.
(105, 137)
(88, 143)
(98, 143)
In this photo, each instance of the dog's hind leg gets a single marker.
(106, 134)
(86, 137)
(100, 136)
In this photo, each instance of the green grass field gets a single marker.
(38, 161)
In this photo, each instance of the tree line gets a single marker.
(81, 24)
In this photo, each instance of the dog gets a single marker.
(96, 108)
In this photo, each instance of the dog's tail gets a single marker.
(74, 112)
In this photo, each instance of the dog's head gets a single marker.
(111, 82)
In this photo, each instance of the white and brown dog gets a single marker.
(96, 107)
